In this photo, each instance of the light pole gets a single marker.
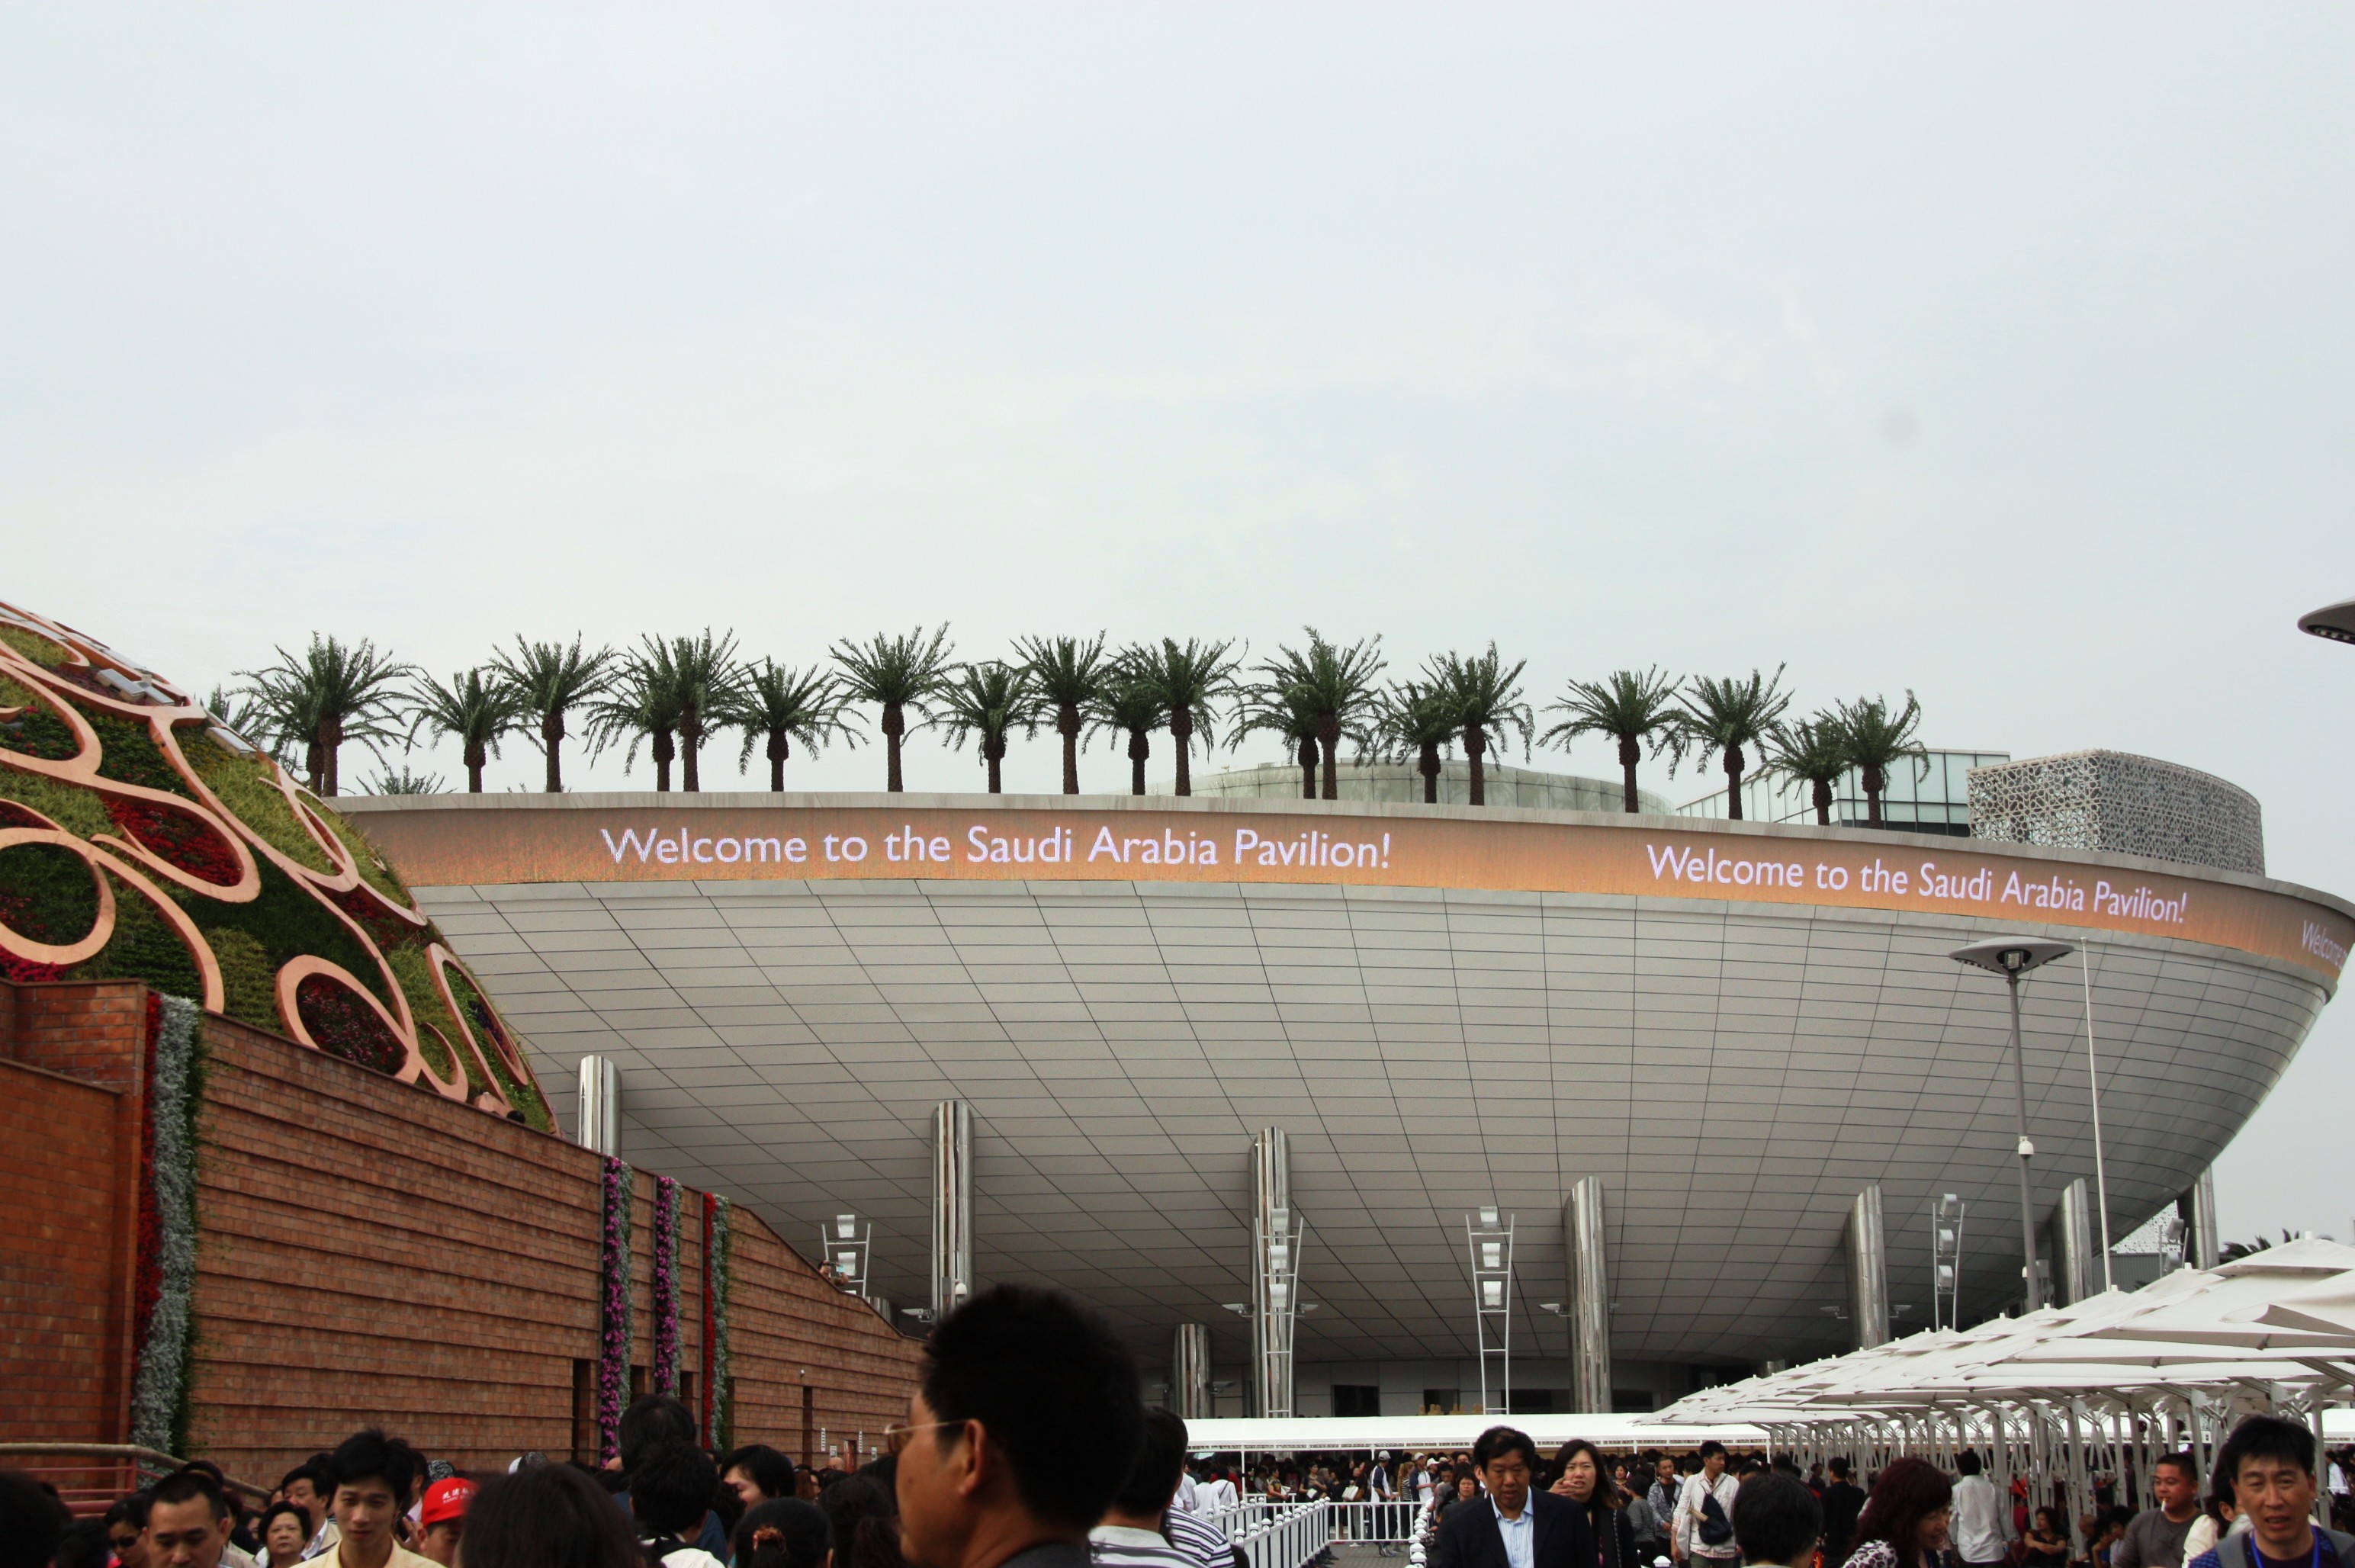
(2011, 957)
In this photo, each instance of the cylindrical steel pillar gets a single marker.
(1868, 1271)
(2031, 1286)
(2076, 1274)
(1189, 1372)
(599, 1124)
(952, 1206)
(1275, 1267)
(1590, 1296)
(2206, 1248)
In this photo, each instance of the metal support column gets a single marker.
(1489, 1238)
(1590, 1296)
(1868, 1271)
(1277, 1235)
(598, 1126)
(2076, 1274)
(952, 1206)
(2198, 1206)
(1189, 1372)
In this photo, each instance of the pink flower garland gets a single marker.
(666, 1277)
(613, 1346)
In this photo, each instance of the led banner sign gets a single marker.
(569, 843)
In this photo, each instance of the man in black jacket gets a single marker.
(1514, 1526)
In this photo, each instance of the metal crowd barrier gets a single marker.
(1279, 1535)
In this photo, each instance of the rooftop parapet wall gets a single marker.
(2125, 805)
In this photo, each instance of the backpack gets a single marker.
(1716, 1529)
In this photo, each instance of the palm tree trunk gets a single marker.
(1430, 773)
(1067, 725)
(663, 750)
(475, 758)
(1139, 747)
(779, 750)
(551, 741)
(690, 740)
(1475, 744)
(1628, 754)
(1874, 782)
(995, 754)
(1331, 741)
(894, 726)
(1823, 803)
(1308, 767)
(1181, 736)
(331, 744)
(1734, 783)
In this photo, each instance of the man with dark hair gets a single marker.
(2269, 1464)
(1982, 1519)
(1843, 1501)
(306, 1486)
(1779, 1522)
(2155, 1538)
(31, 1522)
(1705, 1513)
(1132, 1533)
(670, 1494)
(759, 1473)
(1515, 1526)
(1026, 1421)
(374, 1478)
(645, 1425)
(187, 1522)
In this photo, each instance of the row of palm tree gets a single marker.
(672, 696)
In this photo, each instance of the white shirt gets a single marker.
(1184, 1491)
(1688, 1514)
(1520, 1536)
(1119, 1546)
(1215, 1495)
(1982, 1523)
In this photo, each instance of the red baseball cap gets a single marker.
(446, 1500)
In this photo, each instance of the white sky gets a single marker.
(1998, 352)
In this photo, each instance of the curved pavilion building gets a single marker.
(1242, 1070)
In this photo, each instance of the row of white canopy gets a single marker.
(2061, 1395)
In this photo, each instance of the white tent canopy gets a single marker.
(1444, 1434)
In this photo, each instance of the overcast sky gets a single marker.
(2001, 354)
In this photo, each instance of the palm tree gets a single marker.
(388, 782)
(1332, 686)
(1283, 712)
(474, 711)
(1487, 697)
(706, 674)
(642, 704)
(1416, 719)
(1630, 708)
(1876, 738)
(335, 692)
(779, 705)
(1815, 751)
(1188, 680)
(549, 680)
(237, 712)
(1130, 705)
(900, 673)
(1723, 716)
(1068, 674)
(989, 700)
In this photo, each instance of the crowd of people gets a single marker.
(1026, 1444)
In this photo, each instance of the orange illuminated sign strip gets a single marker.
(826, 843)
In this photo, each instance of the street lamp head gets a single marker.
(2011, 956)
(2336, 622)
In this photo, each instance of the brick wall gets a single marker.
(62, 1254)
(370, 1252)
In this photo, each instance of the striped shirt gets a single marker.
(1199, 1538)
(1118, 1546)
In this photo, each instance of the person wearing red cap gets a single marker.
(443, 1517)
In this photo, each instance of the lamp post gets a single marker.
(2011, 957)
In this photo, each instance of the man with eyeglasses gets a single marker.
(1026, 1421)
(1515, 1527)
